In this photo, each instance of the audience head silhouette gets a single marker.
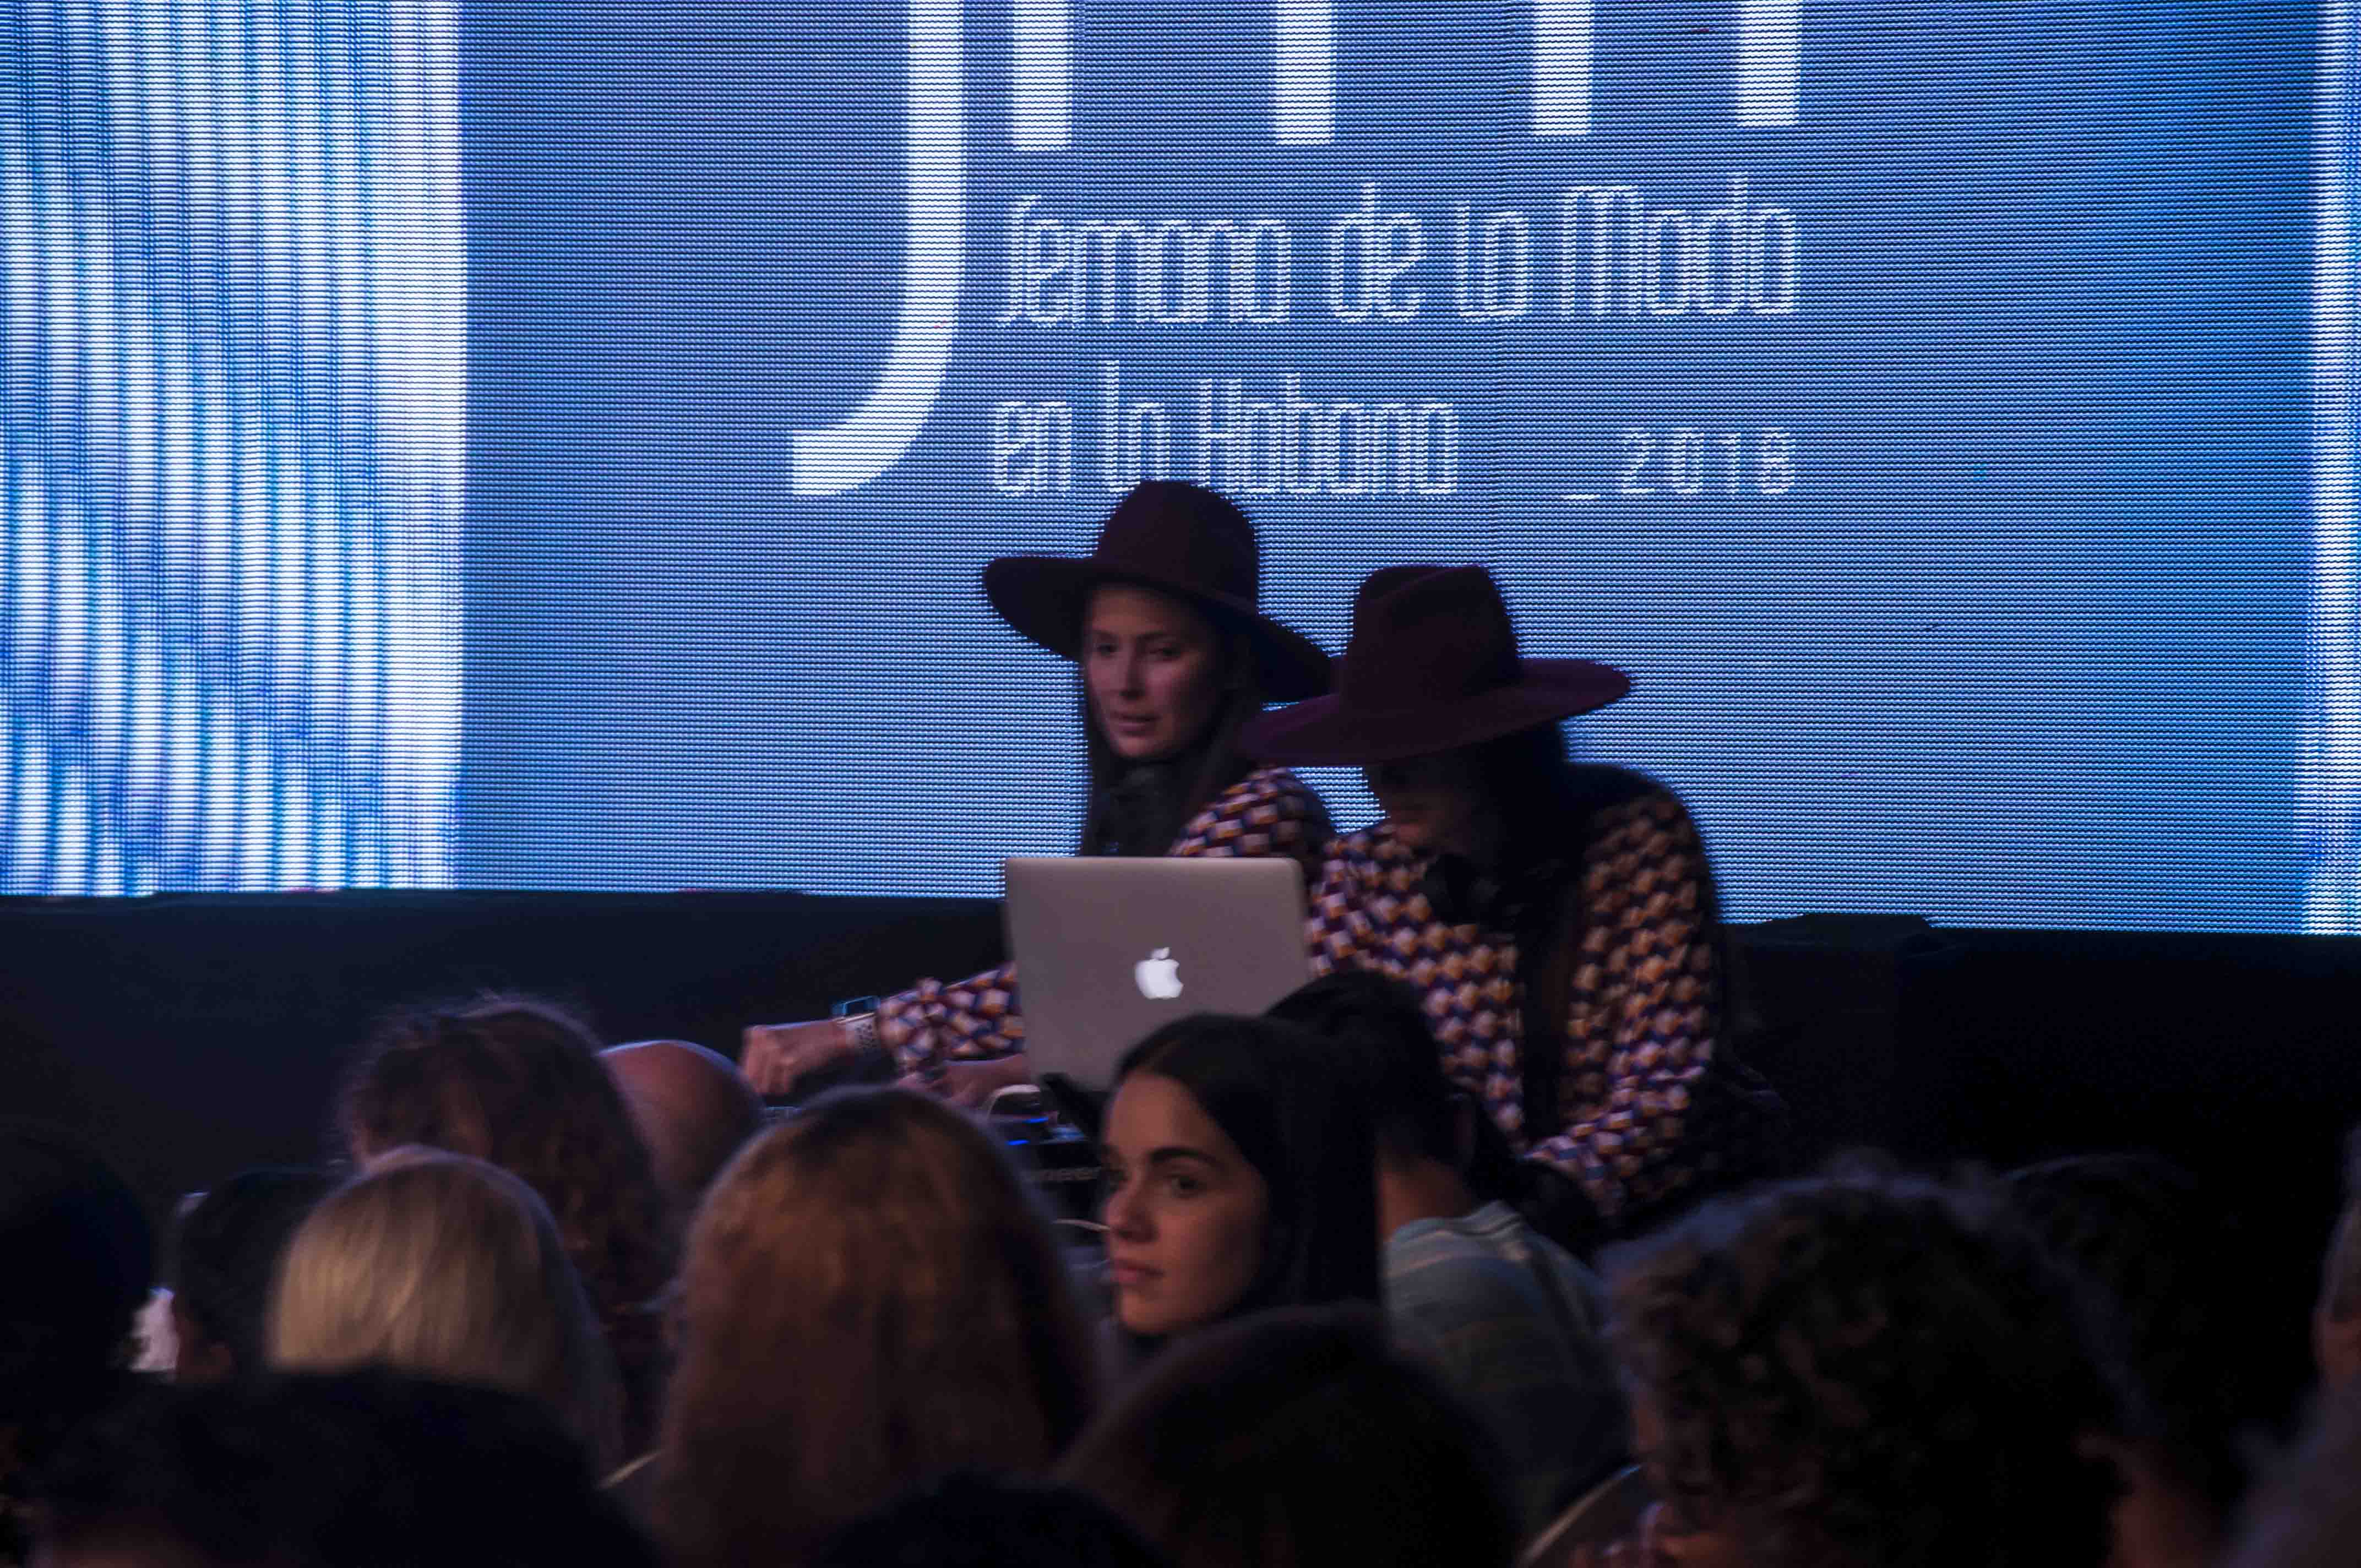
(75, 1261)
(448, 1268)
(693, 1106)
(2160, 1265)
(1866, 1370)
(1298, 1436)
(518, 1083)
(366, 1469)
(869, 1297)
(225, 1253)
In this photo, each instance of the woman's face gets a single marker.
(1185, 1212)
(1436, 802)
(1152, 666)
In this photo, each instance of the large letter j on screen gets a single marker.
(872, 437)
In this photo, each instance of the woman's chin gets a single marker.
(1148, 1323)
(1141, 748)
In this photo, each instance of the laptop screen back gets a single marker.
(1109, 948)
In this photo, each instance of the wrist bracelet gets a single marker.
(861, 1028)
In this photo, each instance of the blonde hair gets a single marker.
(449, 1268)
(870, 1297)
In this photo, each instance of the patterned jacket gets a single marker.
(1269, 812)
(1648, 1102)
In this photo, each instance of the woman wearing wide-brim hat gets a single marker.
(1175, 657)
(1558, 921)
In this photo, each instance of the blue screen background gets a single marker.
(1970, 569)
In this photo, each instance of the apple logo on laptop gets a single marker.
(1159, 975)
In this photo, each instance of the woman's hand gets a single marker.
(773, 1055)
(972, 1084)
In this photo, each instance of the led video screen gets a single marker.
(514, 445)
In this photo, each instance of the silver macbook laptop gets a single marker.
(1109, 947)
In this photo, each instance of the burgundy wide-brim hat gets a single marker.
(1432, 665)
(1177, 539)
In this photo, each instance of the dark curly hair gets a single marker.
(1869, 1370)
(516, 1081)
(225, 1254)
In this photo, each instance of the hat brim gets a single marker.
(1042, 599)
(1324, 732)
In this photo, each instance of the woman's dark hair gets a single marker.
(1276, 1093)
(1528, 777)
(1869, 1371)
(1139, 809)
(1377, 1027)
(225, 1254)
(1299, 1437)
(869, 1296)
(516, 1083)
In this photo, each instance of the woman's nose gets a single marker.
(1123, 1215)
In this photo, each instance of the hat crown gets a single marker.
(1178, 533)
(1432, 666)
(1423, 635)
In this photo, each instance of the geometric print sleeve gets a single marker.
(1269, 812)
(1648, 1100)
(1643, 1096)
(968, 1020)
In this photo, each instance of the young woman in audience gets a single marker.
(869, 1297)
(1559, 921)
(1867, 1371)
(518, 1083)
(1174, 657)
(1298, 1437)
(449, 1268)
(1239, 1173)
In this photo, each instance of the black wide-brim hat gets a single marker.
(1176, 539)
(1432, 667)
